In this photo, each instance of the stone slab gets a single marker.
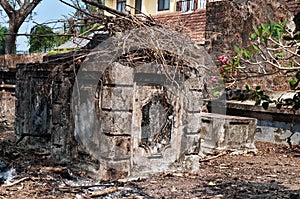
(223, 132)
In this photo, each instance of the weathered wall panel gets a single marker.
(7, 109)
(11, 61)
(43, 107)
(230, 23)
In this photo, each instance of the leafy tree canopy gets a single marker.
(42, 39)
(3, 31)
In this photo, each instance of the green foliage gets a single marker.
(39, 41)
(3, 31)
(291, 103)
(264, 32)
(273, 48)
(261, 38)
(247, 87)
(260, 97)
(43, 39)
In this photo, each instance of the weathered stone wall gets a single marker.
(129, 110)
(10, 61)
(131, 118)
(44, 116)
(7, 85)
(7, 98)
(120, 108)
(273, 125)
(43, 111)
(224, 132)
(7, 110)
(229, 23)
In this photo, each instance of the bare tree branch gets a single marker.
(7, 8)
(16, 19)
(81, 10)
(103, 7)
(19, 2)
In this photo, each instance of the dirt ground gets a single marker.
(272, 173)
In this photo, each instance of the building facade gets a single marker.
(188, 14)
(152, 7)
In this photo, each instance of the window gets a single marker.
(138, 6)
(190, 5)
(186, 5)
(163, 5)
(121, 5)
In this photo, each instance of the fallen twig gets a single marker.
(16, 182)
(103, 192)
(214, 157)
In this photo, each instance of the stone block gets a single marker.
(61, 114)
(193, 144)
(118, 74)
(193, 122)
(194, 100)
(222, 132)
(117, 98)
(116, 122)
(114, 148)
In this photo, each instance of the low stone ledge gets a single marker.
(224, 132)
(273, 125)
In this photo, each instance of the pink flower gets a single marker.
(214, 79)
(224, 59)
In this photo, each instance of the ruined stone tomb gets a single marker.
(116, 118)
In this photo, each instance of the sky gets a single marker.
(47, 10)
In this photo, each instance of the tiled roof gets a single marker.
(74, 43)
(293, 6)
(193, 23)
(80, 42)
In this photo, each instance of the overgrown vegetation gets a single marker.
(274, 49)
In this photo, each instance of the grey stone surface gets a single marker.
(125, 119)
(117, 98)
(273, 125)
(129, 128)
(221, 132)
(7, 109)
(116, 122)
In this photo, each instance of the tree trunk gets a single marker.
(16, 16)
(11, 37)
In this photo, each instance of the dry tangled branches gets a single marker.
(136, 40)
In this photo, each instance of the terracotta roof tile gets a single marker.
(194, 23)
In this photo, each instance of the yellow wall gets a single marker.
(111, 4)
(149, 7)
